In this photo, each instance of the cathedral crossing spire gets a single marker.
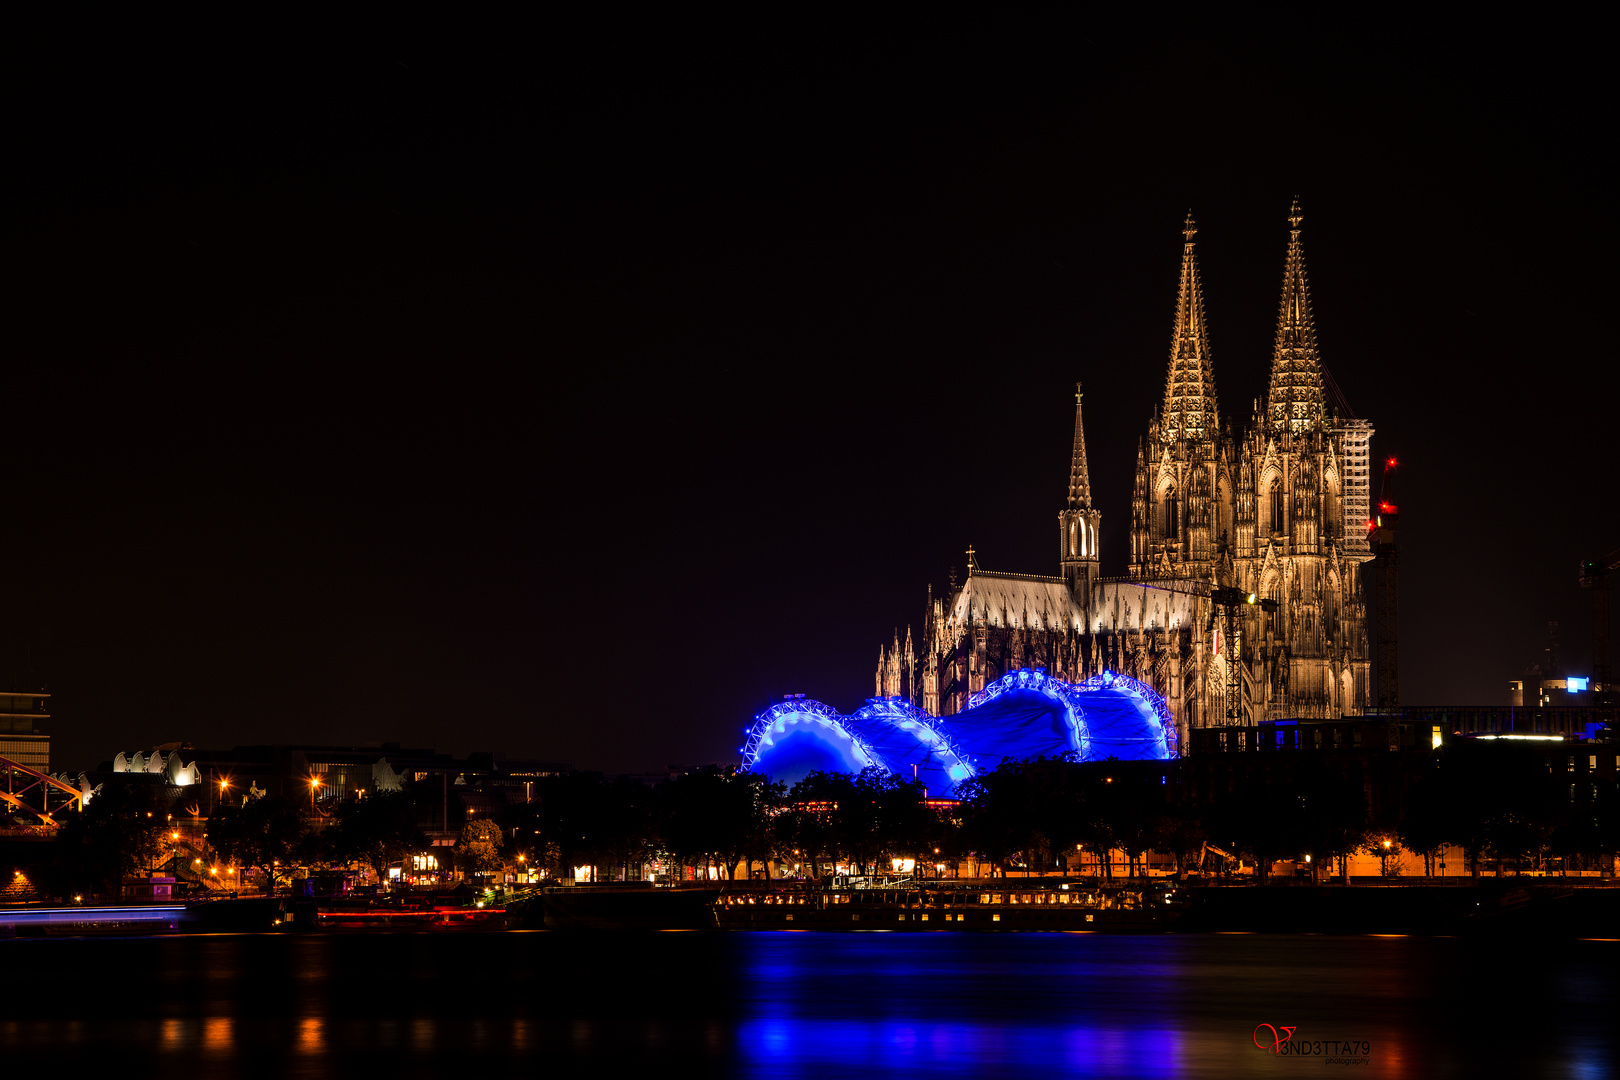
(1079, 523)
(1189, 390)
(1079, 478)
(1295, 402)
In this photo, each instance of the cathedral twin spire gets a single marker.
(1189, 391)
(1296, 401)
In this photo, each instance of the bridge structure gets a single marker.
(40, 800)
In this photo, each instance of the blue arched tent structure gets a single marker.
(791, 739)
(1025, 714)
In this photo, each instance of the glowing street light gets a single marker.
(314, 786)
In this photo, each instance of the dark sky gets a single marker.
(577, 395)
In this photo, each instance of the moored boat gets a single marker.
(997, 904)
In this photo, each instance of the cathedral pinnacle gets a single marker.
(1189, 391)
(1295, 402)
(1079, 478)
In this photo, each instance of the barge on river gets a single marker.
(991, 904)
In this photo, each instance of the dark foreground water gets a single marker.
(808, 1005)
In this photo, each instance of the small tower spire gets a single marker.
(1079, 477)
(1296, 401)
(1078, 524)
(1189, 389)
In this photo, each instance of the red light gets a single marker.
(1390, 463)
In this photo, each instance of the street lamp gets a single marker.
(314, 786)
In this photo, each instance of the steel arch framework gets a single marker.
(31, 791)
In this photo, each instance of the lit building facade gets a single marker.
(20, 737)
(1277, 508)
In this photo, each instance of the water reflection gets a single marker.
(219, 1035)
(175, 1036)
(813, 1048)
(311, 1035)
(803, 1005)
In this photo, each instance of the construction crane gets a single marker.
(1228, 602)
(1381, 537)
(1595, 578)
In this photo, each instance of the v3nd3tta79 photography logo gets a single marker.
(1286, 1040)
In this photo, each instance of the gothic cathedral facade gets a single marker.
(1276, 510)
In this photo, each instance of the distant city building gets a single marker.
(1549, 682)
(20, 737)
(320, 776)
(1533, 690)
(1277, 510)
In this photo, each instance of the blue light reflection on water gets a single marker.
(812, 1005)
(899, 1001)
(791, 1047)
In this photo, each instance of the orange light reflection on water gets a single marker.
(312, 1035)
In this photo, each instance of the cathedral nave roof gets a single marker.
(1017, 600)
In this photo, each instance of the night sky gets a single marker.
(577, 397)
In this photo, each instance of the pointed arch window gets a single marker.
(1171, 530)
(1276, 505)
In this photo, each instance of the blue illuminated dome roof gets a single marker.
(1026, 714)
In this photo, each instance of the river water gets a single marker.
(811, 1005)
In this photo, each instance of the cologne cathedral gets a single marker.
(1273, 509)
